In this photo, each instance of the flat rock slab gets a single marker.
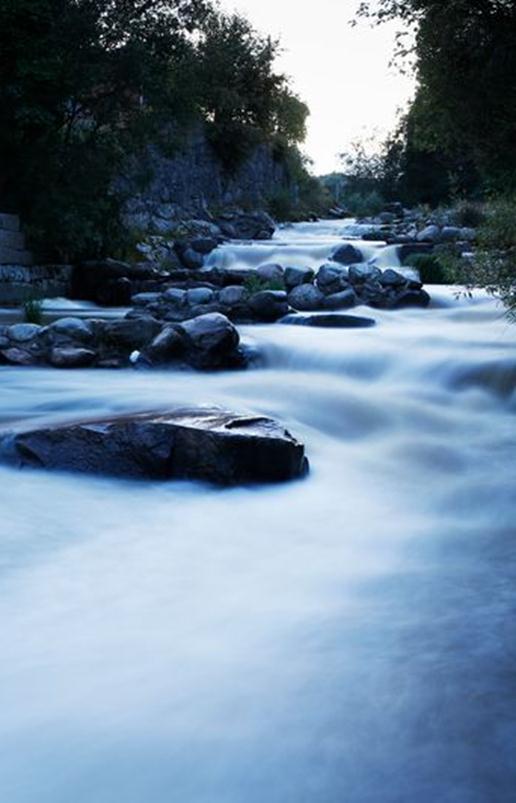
(195, 443)
(330, 321)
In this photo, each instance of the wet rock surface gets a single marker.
(209, 444)
(205, 342)
(330, 321)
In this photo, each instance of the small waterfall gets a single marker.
(307, 245)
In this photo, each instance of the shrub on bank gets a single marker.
(33, 311)
(493, 265)
(432, 268)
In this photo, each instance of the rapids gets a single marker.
(350, 638)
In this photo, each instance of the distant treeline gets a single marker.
(83, 83)
(458, 138)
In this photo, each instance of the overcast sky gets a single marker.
(341, 72)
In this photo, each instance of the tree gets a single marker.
(241, 95)
(86, 83)
(465, 64)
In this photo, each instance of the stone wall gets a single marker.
(18, 283)
(194, 181)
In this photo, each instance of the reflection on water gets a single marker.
(346, 639)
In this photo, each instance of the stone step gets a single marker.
(9, 222)
(12, 239)
(14, 256)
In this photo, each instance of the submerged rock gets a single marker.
(330, 321)
(194, 443)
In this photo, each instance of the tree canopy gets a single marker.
(85, 82)
(465, 61)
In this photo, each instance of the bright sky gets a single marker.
(342, 73)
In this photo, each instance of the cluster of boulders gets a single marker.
(207, 342)
(272, 291)
(401, 226)
(185, 247)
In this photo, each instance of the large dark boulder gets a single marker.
(128, 334)
(247, 225)
(343, 300)
(71, 357)
(269, 305)
(295, 276)
(347, 255)
(195, 443)
(412, 298)
(306, 297)
(211, 342)
(332, 278)
(109, 282)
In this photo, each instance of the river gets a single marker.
(348, 638)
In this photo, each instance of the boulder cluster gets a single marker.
(206, 342)
(181, 249)
(399, 226)
(271, 292)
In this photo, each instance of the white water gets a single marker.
(345, 639)
(306, 245)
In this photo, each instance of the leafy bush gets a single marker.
(498, 229)
(364, 204)
(431, 268)
(468, 213)
(33, 311)
(253, 284)
(493, 265)
(280, 206)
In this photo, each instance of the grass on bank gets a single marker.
(33, 311)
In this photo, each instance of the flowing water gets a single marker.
(349, 638)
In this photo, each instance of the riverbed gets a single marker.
(347, 638)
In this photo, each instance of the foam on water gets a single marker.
(347, 638)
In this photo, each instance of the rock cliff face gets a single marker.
(164, 189)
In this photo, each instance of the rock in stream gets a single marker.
(195, 443)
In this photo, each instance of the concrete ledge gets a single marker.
(18, 283)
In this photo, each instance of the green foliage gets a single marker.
(493, 265)
(33, 311)
(432, 268)
(365, 203)
(240, 94)
(465, 62)
(253, 284)
(305, 196)
(84, 84)
(468, 213)
(498, 229)
(281, 207)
